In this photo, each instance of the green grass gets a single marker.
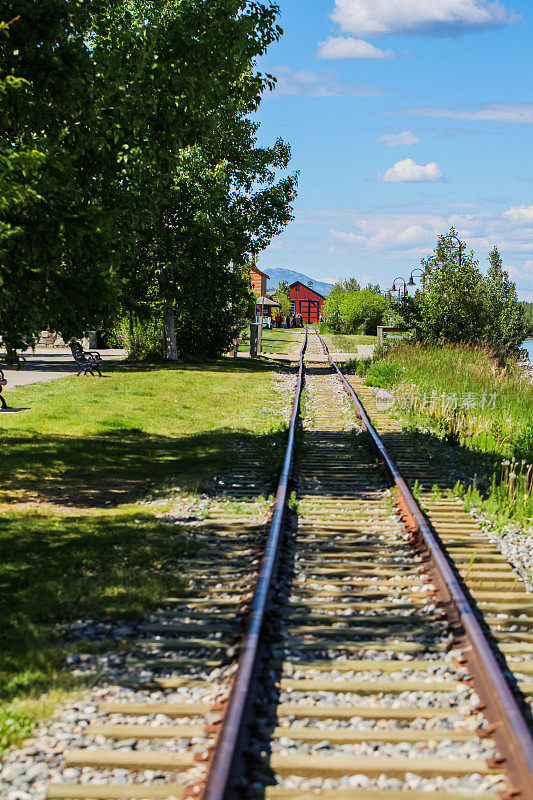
(502, 399)
(491, 423)
(90, 442)
(74, 541)
(277, 340)
(347, 343)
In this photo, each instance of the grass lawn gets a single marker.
(74, 542)
(458, 402)
(463, 371)
(277, 340)
(347, 343)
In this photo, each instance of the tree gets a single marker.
(451, 303)
(363, 311)
(17, 166)
(506, 325)
(209, 195)
(282, 295)
(224, 204)
(58, 266)
(528, 317)
(117, 96)
(350, 309)
(332, 306)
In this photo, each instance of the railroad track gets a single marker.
(362, 672)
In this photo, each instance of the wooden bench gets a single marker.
(87, 361)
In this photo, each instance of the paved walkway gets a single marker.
(48, 364)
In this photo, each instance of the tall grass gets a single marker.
(509, 497)
(460, 394)
(463, 393)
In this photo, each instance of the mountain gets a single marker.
(278, 274)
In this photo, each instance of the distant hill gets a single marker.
(276, 275)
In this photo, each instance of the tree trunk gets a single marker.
(171, 345)
(169, 329)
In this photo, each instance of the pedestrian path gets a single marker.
(46, 364)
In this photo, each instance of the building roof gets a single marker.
(266, 301)
(256, 269)
(309, 288)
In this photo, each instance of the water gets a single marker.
(528, 345)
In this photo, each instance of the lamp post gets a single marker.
(393, 289)
(411, 281)
(461, 245)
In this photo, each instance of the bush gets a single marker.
(383, 374)
(363, 365)
(522, 444)
(143, 339)
(353, 310)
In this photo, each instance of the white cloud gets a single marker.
(347, 47)
(395, 139)
(411, 234)
(347, 238)
(305, 76)
(406, 171)
(513, 272)
(303, 83)
(516, 113)
(520, 214)
(394, 240)
(421, 17)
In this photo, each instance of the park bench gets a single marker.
(86, 360)
(3, 383)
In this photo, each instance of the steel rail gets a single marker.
(221, 771)
(507, 721)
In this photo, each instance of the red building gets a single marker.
(306, 301)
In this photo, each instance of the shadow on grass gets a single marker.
(230, 365)
(119, 465)
(115, 564)
(56, 569)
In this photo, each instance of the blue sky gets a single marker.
(405, 117)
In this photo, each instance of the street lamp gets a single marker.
(460, 243)
(394, 289)
(411, 282)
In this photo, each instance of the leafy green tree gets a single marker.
(208, 194)
(363, 311)
(332, 306)
(506, 325)
(528, 316)
(223, 205)
(451, 305)
(115, 95)
(18, 166)
(58, 268)
(350, 309)
(282, 295)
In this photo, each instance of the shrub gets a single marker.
(383, 374)
(522, 443)
(349, 309)
(142, 339)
